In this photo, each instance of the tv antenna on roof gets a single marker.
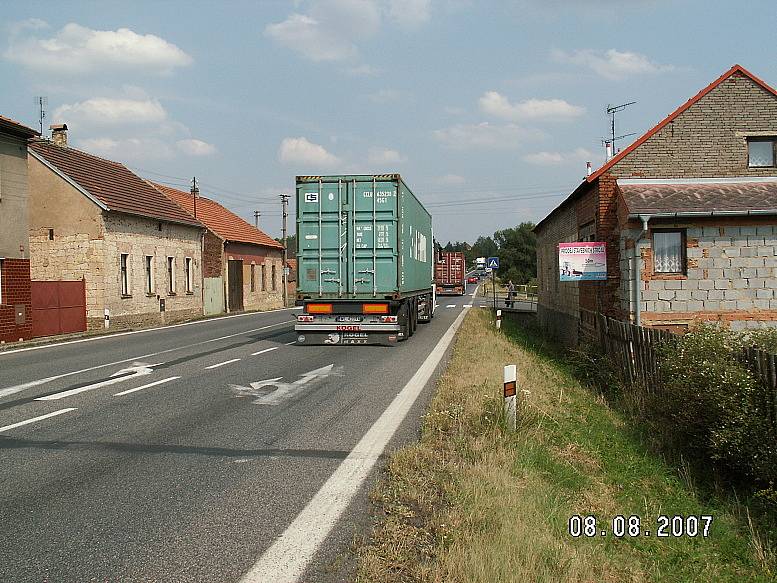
(611, 111)
(42, 102)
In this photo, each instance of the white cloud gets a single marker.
(328, 31)
(451, 180)
(496, 104)
(611, 64)
(410, 13)
(102, 111)
(558, 158)
(378, 156)
(486, 136)
(301, 151)
(127, 149)
(76, 49)
(193, 147)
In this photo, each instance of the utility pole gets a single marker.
(195, 193)
(257, 214)
(285, 204)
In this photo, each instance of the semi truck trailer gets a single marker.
(449, 273)
(364, 260)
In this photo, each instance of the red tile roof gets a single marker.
(736, 69)
(708, 197)
(223, 222)
(111, 183)
(15, 127)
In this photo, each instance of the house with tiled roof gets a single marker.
(139, 255)
(15, 295)
(688, 213)
(242, 266)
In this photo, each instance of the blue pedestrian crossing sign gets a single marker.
(493, 262)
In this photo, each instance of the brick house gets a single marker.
(242, 266)
(689, 216)
(93, 219)
(15, 297)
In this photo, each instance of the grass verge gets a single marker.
(472, 502)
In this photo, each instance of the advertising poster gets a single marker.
(585, 261)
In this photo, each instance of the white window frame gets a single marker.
(170, 275)
(124, 277)
(148, 267)
(189, 268)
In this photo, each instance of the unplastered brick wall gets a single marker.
(710, 138)
(15, 291)
(140, 237)
(731, 277)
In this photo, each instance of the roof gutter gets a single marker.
(695, 214)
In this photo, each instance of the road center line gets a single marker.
(222, 363)
(285, 561)
(155, 383)
(34, 419)
(265, 350)
(17, 388)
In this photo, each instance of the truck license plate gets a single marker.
(349, 319)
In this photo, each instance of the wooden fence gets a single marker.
(634, 350)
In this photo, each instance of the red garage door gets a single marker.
(58, 307)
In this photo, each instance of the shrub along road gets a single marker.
(151, 456)
(473, 503)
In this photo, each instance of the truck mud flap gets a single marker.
(346, 339)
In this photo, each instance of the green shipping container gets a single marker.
(361, 237)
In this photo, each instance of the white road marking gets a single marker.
(129, 333)
(17, 388)
(222, 363)
(467, 305)
(283, 391)
(474, 293)
(265, 350)
(285, 561)
(290, 343)
(34, 419)
(155, 383)
(129, 373)
(451, 306)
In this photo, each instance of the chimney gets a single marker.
(588, 169)
(608, 149)
(59, 134)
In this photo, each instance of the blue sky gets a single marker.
(488, 109)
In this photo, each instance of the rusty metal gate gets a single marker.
(58, 307)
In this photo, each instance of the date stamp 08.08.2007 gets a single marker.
(620, 526)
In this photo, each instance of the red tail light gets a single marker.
(304, 318)
(388, 319)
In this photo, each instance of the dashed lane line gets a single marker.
(222, 363)
(34, 419)
(265, 350)
(155, 383)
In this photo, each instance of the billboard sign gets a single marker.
(584, 261)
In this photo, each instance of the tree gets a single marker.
(517, 253)
(291, 245)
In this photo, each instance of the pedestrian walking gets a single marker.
(510, 293)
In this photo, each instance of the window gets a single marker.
(253, 277)
(51, 234)
(761, 152)
(189, 275)
(171, 275)
(149, 274)
(669, 251)
(273, 283)
(264, 278)
(124, 274)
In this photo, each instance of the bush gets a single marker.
(716, 403)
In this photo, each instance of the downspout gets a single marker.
(638, 269)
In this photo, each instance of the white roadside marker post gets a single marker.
(510, 377)
(498, 319)
(107, 313)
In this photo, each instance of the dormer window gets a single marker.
(762, 152)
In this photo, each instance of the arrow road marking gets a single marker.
(282, 391)
(125, 374)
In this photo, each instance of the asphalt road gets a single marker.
(150, 456)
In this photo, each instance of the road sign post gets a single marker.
(510, 389)
(493, 264)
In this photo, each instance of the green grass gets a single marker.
(472, 502)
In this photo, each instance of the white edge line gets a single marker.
(286, 560)
(34, 419)
(265, 350)
(290, 343)
(108, 336)
(17, 388)
(222, 363)
(155, 383)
